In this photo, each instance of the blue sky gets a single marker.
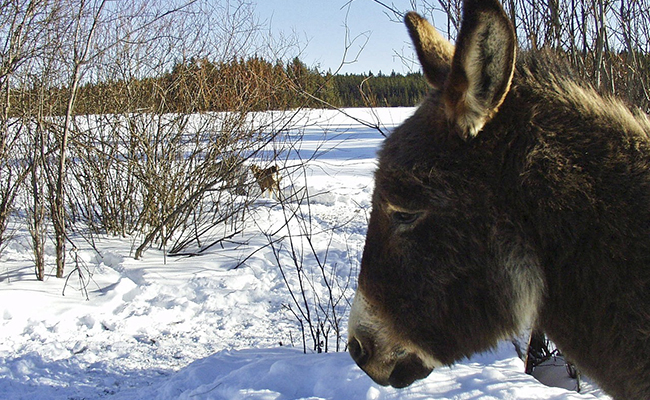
(320, 26)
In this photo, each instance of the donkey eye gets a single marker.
(405, 218)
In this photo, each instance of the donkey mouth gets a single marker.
(381, 354)
(399, 370)
(408, 370)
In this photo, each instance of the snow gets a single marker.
(222, 325)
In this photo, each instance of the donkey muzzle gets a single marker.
(378, 352)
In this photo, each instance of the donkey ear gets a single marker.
(482, 66)
(434, 51)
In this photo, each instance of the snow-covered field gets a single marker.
(222, 325)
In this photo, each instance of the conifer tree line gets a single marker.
(278, 85)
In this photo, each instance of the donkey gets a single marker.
(515, 196)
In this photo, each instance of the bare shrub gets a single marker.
(114, 107)
(319, 284)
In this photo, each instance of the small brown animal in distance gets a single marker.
(268, 179)
(515, 195)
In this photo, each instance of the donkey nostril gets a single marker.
(408, 370)
(358, 353)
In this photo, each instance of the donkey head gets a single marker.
(445, 270)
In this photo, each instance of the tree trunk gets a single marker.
(58, 206)
(599, 16)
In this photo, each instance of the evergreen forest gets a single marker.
(199, 85)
